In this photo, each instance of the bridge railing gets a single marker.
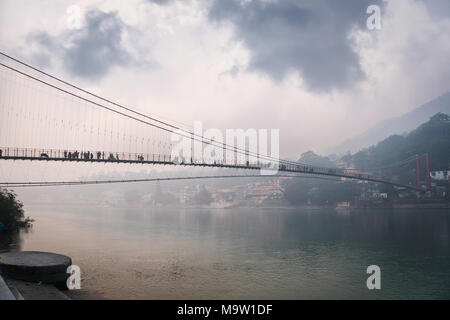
(79, 154)
(303, 168)
(87, 155)
(103, 156)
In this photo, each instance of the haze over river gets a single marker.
(247, 253)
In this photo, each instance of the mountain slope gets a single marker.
(432, 137)
(313, 159)
(398, 125)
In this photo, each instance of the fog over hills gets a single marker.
(398, 125)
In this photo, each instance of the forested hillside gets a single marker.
(432, 137)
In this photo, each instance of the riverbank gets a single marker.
(404, 204)
(282, 205)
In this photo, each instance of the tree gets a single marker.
(432, 137)
(11, 212)
(301, 192)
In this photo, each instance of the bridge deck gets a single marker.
(132, 158)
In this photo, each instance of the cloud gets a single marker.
(407, 59)
(438, 8)
(97, 47)
(310, 37)
(161, 2)
(93, 50)
(203, 75)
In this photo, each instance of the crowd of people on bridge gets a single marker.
(72, 155)
(79, 155)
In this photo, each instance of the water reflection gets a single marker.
(249, 253)
(10, 241)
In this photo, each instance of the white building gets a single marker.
(440, 175)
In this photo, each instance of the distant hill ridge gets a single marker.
(397, 125)
(432, 137)
(313, 159)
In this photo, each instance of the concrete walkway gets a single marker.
(5, 292)
(35, 291)
(21, 290)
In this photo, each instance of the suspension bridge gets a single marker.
(45, 118)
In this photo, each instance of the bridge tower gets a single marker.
(417, 171)
(427, 170)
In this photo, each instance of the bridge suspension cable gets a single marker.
(88, 92)
(191, 135)
(96, 182)
(395, 164)
(284, 165)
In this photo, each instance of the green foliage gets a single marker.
(11, 212)
(319, 192)
(433, 137)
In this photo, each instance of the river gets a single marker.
(247, 253)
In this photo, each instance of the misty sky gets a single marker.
(310, 68)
